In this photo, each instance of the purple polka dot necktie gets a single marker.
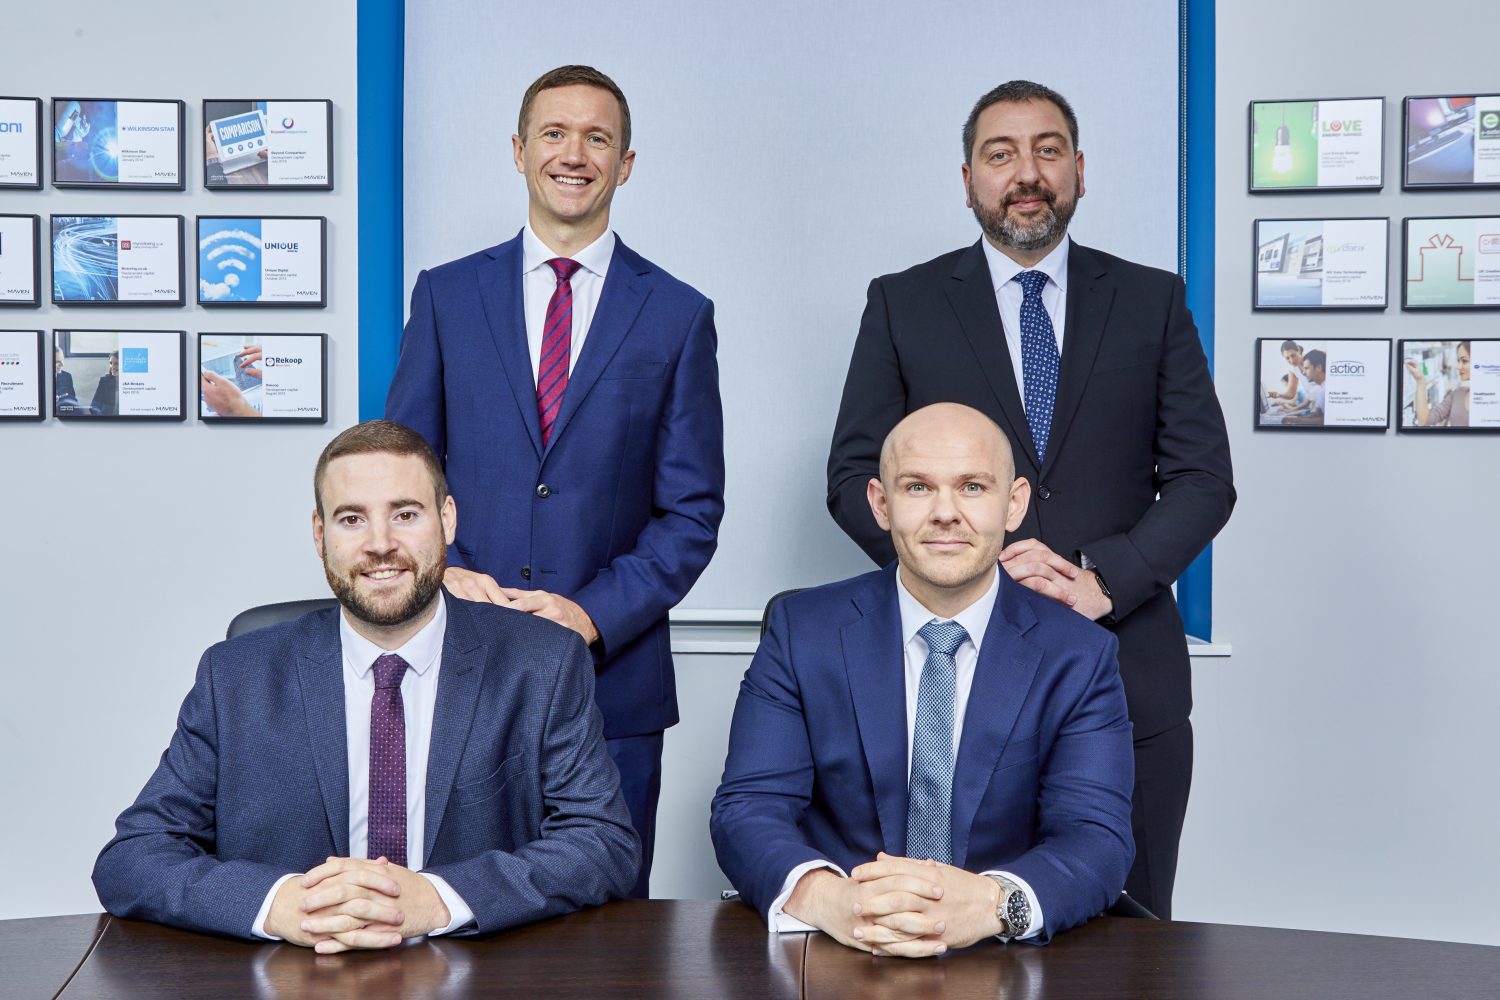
(557, 343)
(1039, 359)
(387, 819)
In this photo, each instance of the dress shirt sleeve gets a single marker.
(1038, 920)
(257, 929)
(462, 916)
(781, 922)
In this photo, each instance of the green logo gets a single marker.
(1489, 125)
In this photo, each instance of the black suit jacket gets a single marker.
(1137, 473)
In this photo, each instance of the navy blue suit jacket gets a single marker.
(817, 751)
(620, 511)
(524, 813)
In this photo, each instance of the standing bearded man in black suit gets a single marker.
(1093, 367)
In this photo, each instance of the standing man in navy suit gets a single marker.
(930, 754)
(411, 764)
(1092, 366)
(571, 390)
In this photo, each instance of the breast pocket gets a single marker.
(470, 793)
(1018, 752)
(1128, 357)
(635, 370)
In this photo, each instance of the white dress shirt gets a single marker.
(1008, 296)
(974, 619)
(423, 654)
(539, 281)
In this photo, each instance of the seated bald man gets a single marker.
(931, 754)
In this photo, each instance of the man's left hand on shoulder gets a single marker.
(1032, 564)
(956, 911)
(554, 607)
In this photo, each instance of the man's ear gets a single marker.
(1020, 499)
(318, 531)
(517, 146)
(875, 493)
(449, 514)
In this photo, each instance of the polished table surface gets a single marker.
(679, 948)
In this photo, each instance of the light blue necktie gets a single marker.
(1039, 359)
(929, 825)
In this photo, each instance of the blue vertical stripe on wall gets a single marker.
(381, 57)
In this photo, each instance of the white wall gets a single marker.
(134, 544)
(1345, 776)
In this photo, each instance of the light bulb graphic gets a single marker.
(1281, 155)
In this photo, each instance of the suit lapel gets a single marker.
(320, 672)
(1002, 678)
(972, 295)
(505, 311)
(875, 665)
(459, 680)
(619, 303)
(1089, 297)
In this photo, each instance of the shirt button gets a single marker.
(526, 572)
(544, 491)
(1044, 493)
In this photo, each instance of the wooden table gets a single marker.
(680, 948)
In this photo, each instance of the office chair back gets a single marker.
(275, 614)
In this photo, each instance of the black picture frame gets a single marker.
(102, 181)
(1251, 136)
(36, 261)
(321, 354)
(1444, 142)
(246, 178)
(203, 253)
(14, 342)
(78, 410)
(94, 238)
(34, 121)
(1484, 244)
(1400, 373)
(1265, 419)
(1294, 256)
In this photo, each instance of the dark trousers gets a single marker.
(639, 761)
(1163, 775)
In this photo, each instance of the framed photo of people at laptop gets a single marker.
(20, 260)
(1320, 263)
(115, 260)
(1326, 384)
(254, 145)
(118, 375)
(21, 142)
(21, 381)
(110, 143)
(253, 261)
(1450, 141)
(1449, 385)
(263, 377)
(1451, 263)
(1317, 145)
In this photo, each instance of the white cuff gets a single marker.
(1037, 920)
(257, 929)
(778, 922)
(457, 908)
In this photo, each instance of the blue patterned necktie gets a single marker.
(1039, 359)
(387, 809)
(929, 809)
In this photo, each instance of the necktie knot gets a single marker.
(565, 268)
(389, 669)
(943, 638)
(1032, 282)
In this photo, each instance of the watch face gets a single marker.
(1018, 913)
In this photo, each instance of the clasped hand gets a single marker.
(348, 903)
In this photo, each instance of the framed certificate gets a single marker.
(1317, 145)
(1451, 141)
(104, 143)
(1451, 263)
(1329, 384)
(1320, 263)
(263, 377)
(117, 375)
(1449, 385)
(20, 142)
(262, 261)
(20, 260)
(117, 260)
(21, 379)
(253, 145)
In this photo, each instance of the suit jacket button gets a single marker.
(526, 572)
(544, 491)
(1044, 493)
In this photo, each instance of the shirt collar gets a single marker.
(420, 651)
(1054, 265)
(974, 619)
(593, 258)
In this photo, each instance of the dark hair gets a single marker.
(1014, 92)
(1316, 359)
(384, 437)
(1463, 345)
(1290, 345)
(569, 76)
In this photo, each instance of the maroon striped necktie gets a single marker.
(387, 810)
(557, 341)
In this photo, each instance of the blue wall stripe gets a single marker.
(381, 54)
(1196, 243)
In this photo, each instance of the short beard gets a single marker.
(426, 581)
(1047, 229)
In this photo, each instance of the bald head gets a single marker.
(948, 427)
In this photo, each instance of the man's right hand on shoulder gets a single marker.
(472, 586)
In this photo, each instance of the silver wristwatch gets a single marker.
(1012, 910)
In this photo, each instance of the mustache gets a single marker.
(1031, 193)
(390, 562)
